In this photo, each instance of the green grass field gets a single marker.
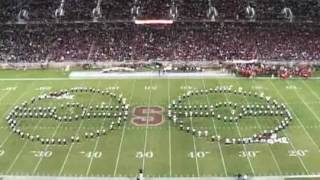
(12, 74)
(161, 150)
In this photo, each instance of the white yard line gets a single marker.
(46, 148)
(13, 104)
(147, 126)
(123, 133)
(269, 148)
(216, 133)
(299, 121)
(98, 140)
(5, 140)
(193, 139)
(5, 94)
(24, 145)
(315, 94)
(312, 91)
(71, 146)
(94, 150)
(293, 147)
(169, 126)
(304, 102)
(239, 132)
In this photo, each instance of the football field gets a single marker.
(148, 139)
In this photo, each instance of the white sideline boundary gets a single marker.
(150, 75)
(93, 75)
(154, 178)
(75, 75)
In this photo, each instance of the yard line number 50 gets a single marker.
(147, 154)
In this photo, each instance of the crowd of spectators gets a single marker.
(117, 9)
(305, 10)
(79, 9)
(75, 10)
(215, 42)
(270, 9)
(192, 9)
(285, 72)
(38, 10)
(8, 10)
(151, 9)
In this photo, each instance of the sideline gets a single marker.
(154, 178)
(82, 75)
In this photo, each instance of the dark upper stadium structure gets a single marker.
(159, 89)
(200, 30)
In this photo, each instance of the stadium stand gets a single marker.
(79, 9)
(47, 12)
(116, 9)
(228, 42)
(75, 10)
(7, 10)
(151, 9)
(305, 10)
(192, 9)
(269, 9)
(227, 9)
(206, 41)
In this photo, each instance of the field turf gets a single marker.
(163, 150)
(13, 74)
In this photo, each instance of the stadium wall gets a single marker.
(98, 65)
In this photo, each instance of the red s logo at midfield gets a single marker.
(151, 116)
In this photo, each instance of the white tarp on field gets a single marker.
(135, 75)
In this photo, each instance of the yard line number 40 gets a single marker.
(199, 154)
(92, 154)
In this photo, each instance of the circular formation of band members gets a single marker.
(29, 110)
(178, 111)
(181, 110)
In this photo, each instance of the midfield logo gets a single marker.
(151, 116)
